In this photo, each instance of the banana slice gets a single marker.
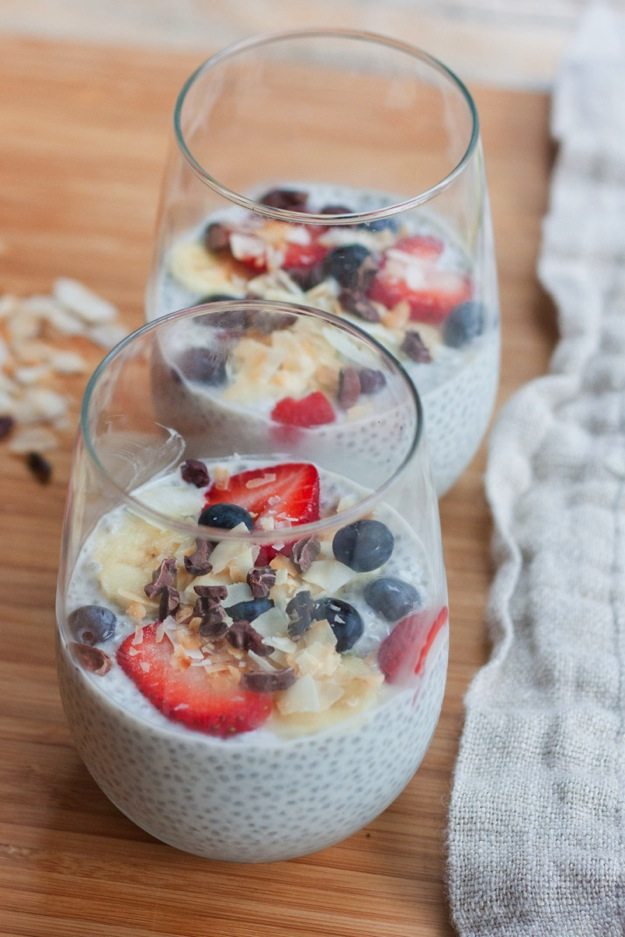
(199, 270)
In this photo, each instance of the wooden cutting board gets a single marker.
(83, 138)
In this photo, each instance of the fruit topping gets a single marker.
(404, 651)
(226, 516)
(364, 545)
(351, 265)
(213, 703)
(287, 493)
(287, 199)
(464, 323)
(380, 224)
(344, 620)
(91, 658)
(303, 256)
(198, 563)
(248, 611)
(313, 410)
(214, 319)
(392, 598)
(359, 305)
(195, 473)
(245, 638)
(414, 346)
(306, 276)
(371, 381)
(205, 365)
(300, 612)
(216, 237)
(260, 580)
(349, 387)
(305, 552)
(91, 624)
(266, 682)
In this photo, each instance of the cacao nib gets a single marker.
(357, 303)
(306, 277)
(414, 346)
(162, 578)
(195, 473)
(268, 322)
(336, 210)
(260, 580)
(91, 658)
(198, 563)
(215, 594)
(216, 237)
(169, 602)
(349, 387)
(261, 681)
(300, 612)
(6, 425)
(244, 636)
(305, 552)
(205, 365)
(234, 320)
(214, 624)
(39, 466)
(289, 199)
(371, 381)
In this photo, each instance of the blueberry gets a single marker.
(204, 365)
(363, 545)
(226, 516)
(216, 237)
(344, 620)
(91, 624)
(382, 224)
(349, 264)
(216, 298)
(392, 598)
(464, 323)
(248, 611)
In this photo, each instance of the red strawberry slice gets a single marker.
(423, 246)
(404, 651)
(288, 492)
(303, 255)
(210, 703)
(255, 252)
(312, 410)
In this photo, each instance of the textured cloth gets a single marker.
(536, 826)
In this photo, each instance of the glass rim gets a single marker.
(260, 537)
(300, 217)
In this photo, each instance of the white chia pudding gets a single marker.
(252, 702)
(407, 282)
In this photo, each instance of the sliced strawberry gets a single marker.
(312, 410)
(289, 493)
(303, 255)
(404, 651)
(271, 243)
(210, 703)
(423, 246)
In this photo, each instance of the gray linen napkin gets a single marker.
(536, 825)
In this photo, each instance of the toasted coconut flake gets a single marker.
(68, 362)
(82, 302)
(33, 439)
(136, 611)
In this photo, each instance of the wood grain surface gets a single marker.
(83, 139)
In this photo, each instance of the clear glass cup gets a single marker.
(344, 171)
(252, 624)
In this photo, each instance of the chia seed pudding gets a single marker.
(407, 282)
(252, 702)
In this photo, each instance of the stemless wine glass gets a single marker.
(252, 614)
(344, 171)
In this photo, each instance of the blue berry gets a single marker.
(363, 545)
(226, 516)
(91, 624)
(348, 264)
(464, 323)
(216, 298)
(344, 620)
(392, 598)
(248, 611)
(382, 224)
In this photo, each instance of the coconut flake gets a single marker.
(82, 302)
(329, 574)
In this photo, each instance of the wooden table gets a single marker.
(83, 138)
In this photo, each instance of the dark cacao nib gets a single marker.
(371, 381)
(349, 387)
(268, 322)
(205, 365)
(214, 594)
(244, 636)
(91, 658)
(306, 277)
(260, 580)
(195, 473)
(300, 612)
(414, 346)
(6, 425)
(216, 237)
(39, 466)
(168, 603)
(198, 563)
(289, 199)
(162, 578)
(336, 210)
(261, 681)
(214, 624)
(305, 552)
(357, 303)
